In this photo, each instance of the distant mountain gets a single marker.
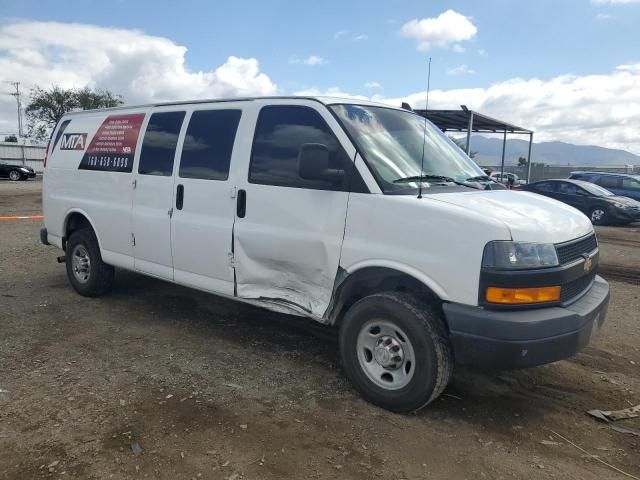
(551, 153)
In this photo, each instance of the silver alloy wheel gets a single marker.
(14, 175)
(597, 214)
(81, 263)
(385, 354)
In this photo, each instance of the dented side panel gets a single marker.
(287, 248)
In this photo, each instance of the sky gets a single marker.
(568, 69)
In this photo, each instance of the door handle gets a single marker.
(241, 203)
(180, 197)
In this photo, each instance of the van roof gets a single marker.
(325, 100)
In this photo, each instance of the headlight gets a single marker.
(24, 170)
(619, 205)
(505, 255)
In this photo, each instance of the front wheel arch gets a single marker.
(352, 287)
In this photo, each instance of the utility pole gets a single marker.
(17, 94)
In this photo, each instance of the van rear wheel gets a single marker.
(395, 351)
(88, 274)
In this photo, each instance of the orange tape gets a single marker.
(24, 217)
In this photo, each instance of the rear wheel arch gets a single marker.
(354, 286)
(76, 220)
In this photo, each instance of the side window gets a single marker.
(567, 188)
(280, 132)
(608, 181)
(208, 144)
(630, 184)
(159, 144)
(546, 187)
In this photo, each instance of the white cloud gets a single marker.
(603, 16)
(601, 109)
(482, 52)
(441, 31)
(372, 85)
(346, 34)
(311, 60)
(338, 35)
(461, 70)
(629, 67)
(457, 48)
(328, 92)
(142, 68)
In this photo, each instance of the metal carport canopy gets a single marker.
(465, 120)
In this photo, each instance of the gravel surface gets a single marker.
(159, 381)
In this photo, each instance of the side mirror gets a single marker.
(313, 164)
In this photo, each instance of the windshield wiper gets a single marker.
(441, 178)
(479, 178)
(417, 178)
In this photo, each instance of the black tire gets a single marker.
(427, 335)
(599, 215)
(15, 175)
(100, 275)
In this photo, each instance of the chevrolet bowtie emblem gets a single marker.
(588, 263)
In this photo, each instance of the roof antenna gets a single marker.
(424, 132)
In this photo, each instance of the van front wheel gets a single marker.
(88, 274)
(395, 351)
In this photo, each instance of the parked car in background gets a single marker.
(15, 172)
(599, 204)
(618, 183)
(506, 176)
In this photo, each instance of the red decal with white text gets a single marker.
(114, 145)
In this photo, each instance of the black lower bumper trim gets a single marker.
(503, 340)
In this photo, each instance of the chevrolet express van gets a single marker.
(358, 215)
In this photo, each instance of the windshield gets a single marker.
(391, 142)
(596, 190)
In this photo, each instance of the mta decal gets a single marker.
(73, 141)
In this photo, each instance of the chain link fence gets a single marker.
(27, 155)
(540, 171)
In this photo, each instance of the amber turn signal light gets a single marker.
(515, 296)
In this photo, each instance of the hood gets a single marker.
(629, 202)
(529, 217)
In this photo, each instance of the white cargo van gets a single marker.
(351, 213)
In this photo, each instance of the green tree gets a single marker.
(11, 138)
(522, 161)
(463, 146)
(46, 107)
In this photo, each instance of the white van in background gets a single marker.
(352, 213)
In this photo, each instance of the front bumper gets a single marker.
(625, 214)
(511, 339)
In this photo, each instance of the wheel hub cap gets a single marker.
(81, 264)
(385, 354)
(388, 352)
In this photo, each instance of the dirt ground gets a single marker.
(208, 388)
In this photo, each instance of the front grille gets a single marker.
(571, 290)
(571, 251)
